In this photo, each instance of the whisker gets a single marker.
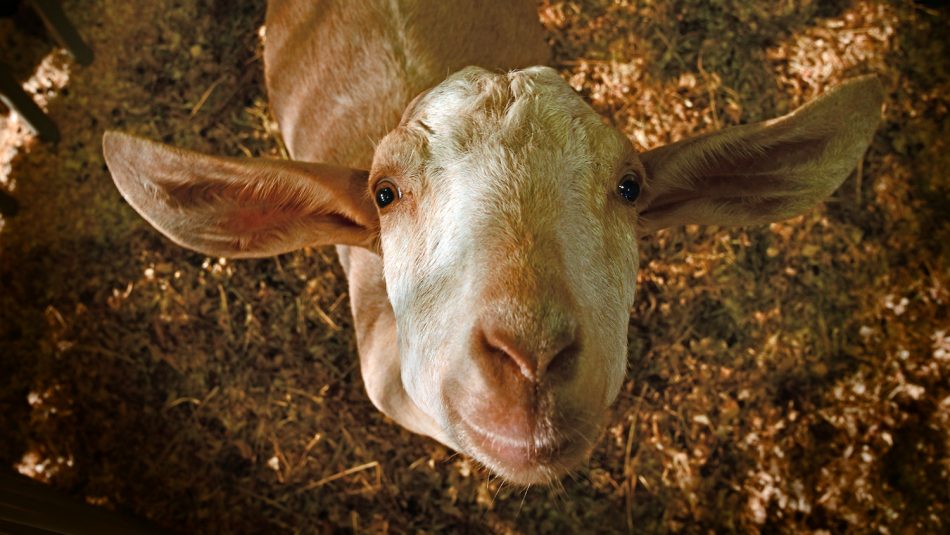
(523, 497)
(497, 490)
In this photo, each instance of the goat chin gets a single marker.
(556, 444)
(526, 463)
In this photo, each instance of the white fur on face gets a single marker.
(512, 174)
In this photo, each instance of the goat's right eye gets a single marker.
(385, 193)
(629, 187)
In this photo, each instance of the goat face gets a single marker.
(510, 262)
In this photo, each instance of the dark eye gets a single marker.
(385, 193)
(629, 187)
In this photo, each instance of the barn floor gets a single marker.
(792, 377)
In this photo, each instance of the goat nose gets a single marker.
(532, 356)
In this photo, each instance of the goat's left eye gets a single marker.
(629, 187)
(385, 193)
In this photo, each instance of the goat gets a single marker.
(487, 221)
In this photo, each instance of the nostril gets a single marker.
(561, 362)
(533, 358)
(506, 345)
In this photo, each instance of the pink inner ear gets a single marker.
(241, 208)
(255, 225)
(253, 219)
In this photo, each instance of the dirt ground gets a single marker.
(784, 378)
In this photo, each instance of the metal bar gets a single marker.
(13, 95)
(51, 11)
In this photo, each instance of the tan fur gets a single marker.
(340, 73)
(491, 299)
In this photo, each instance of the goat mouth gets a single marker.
(526, 461)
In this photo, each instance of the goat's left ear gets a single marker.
(241, 207)
(761, 172)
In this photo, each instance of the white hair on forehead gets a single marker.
(474, 104)
(481, 126)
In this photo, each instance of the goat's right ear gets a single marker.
(241, 207)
